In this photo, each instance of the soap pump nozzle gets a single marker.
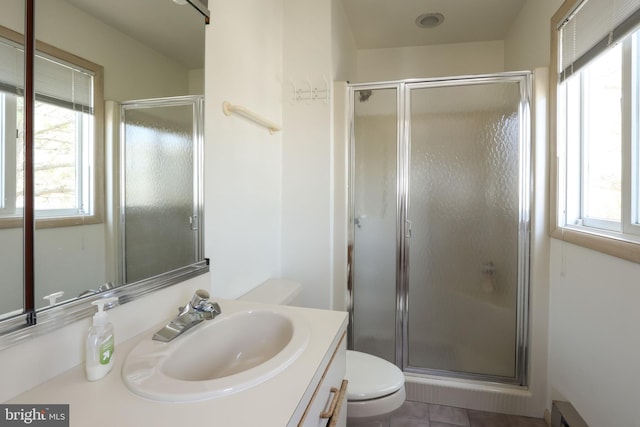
(101, 317)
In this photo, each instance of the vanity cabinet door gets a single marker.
(328, 406)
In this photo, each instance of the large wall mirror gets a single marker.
(117, 121)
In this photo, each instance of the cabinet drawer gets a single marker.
(336, 415)
(328, 404)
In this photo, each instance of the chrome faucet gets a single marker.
(196, 310)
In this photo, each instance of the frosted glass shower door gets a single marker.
(374, 201)
(466, 255)
(159, 204)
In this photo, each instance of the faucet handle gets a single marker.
(210, 310)
(200, 297)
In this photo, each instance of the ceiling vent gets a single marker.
(429, 20)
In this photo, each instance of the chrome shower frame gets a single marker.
(403, 145)
(196, 102)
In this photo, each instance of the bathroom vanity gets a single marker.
(309, 391)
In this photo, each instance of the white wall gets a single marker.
(243, 161)
(318, 49)
(70, 259)
(270, 199)
(343, 45)
(196, 82)
(593, 334)
(339, 300)
(11, 262)
(539, 250)
(306, 154)
(527, 43)
(430, 61)
(13, 15)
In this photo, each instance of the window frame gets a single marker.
(624, 244)
(98, 182)
(577, 93)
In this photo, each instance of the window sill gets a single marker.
(614, 244)
(68, 221)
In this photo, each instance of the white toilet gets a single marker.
(376, 386)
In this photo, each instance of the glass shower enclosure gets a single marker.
(439, 241)
(160, 156)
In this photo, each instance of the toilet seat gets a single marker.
(371, 377)
(376, 407)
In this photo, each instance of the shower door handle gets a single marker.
(407, 228)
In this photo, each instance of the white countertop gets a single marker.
(108, 402)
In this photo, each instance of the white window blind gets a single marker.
(11, 67)
(62, 84)
(590, 28)
(55, 81)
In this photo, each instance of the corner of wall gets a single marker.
(540, 242)
(307, 152)
(243, 188)
(340, 195)
(527, 44)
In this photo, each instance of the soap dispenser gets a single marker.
(100, 343)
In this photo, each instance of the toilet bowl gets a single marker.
(375, 387)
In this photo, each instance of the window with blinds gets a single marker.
(65, 130)
(592, 27)
(596, 74)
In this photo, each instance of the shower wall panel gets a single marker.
(375, 218)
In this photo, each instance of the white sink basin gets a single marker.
(230, 353)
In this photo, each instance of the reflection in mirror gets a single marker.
(68, 170)
(138, 63)
(11, 158)
(89, 51)
(160, 204)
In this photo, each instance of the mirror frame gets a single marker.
(32, 322)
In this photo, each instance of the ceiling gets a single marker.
(391, 23)
(161, 24)
(374, 23)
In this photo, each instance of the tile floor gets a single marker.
(418, 414)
